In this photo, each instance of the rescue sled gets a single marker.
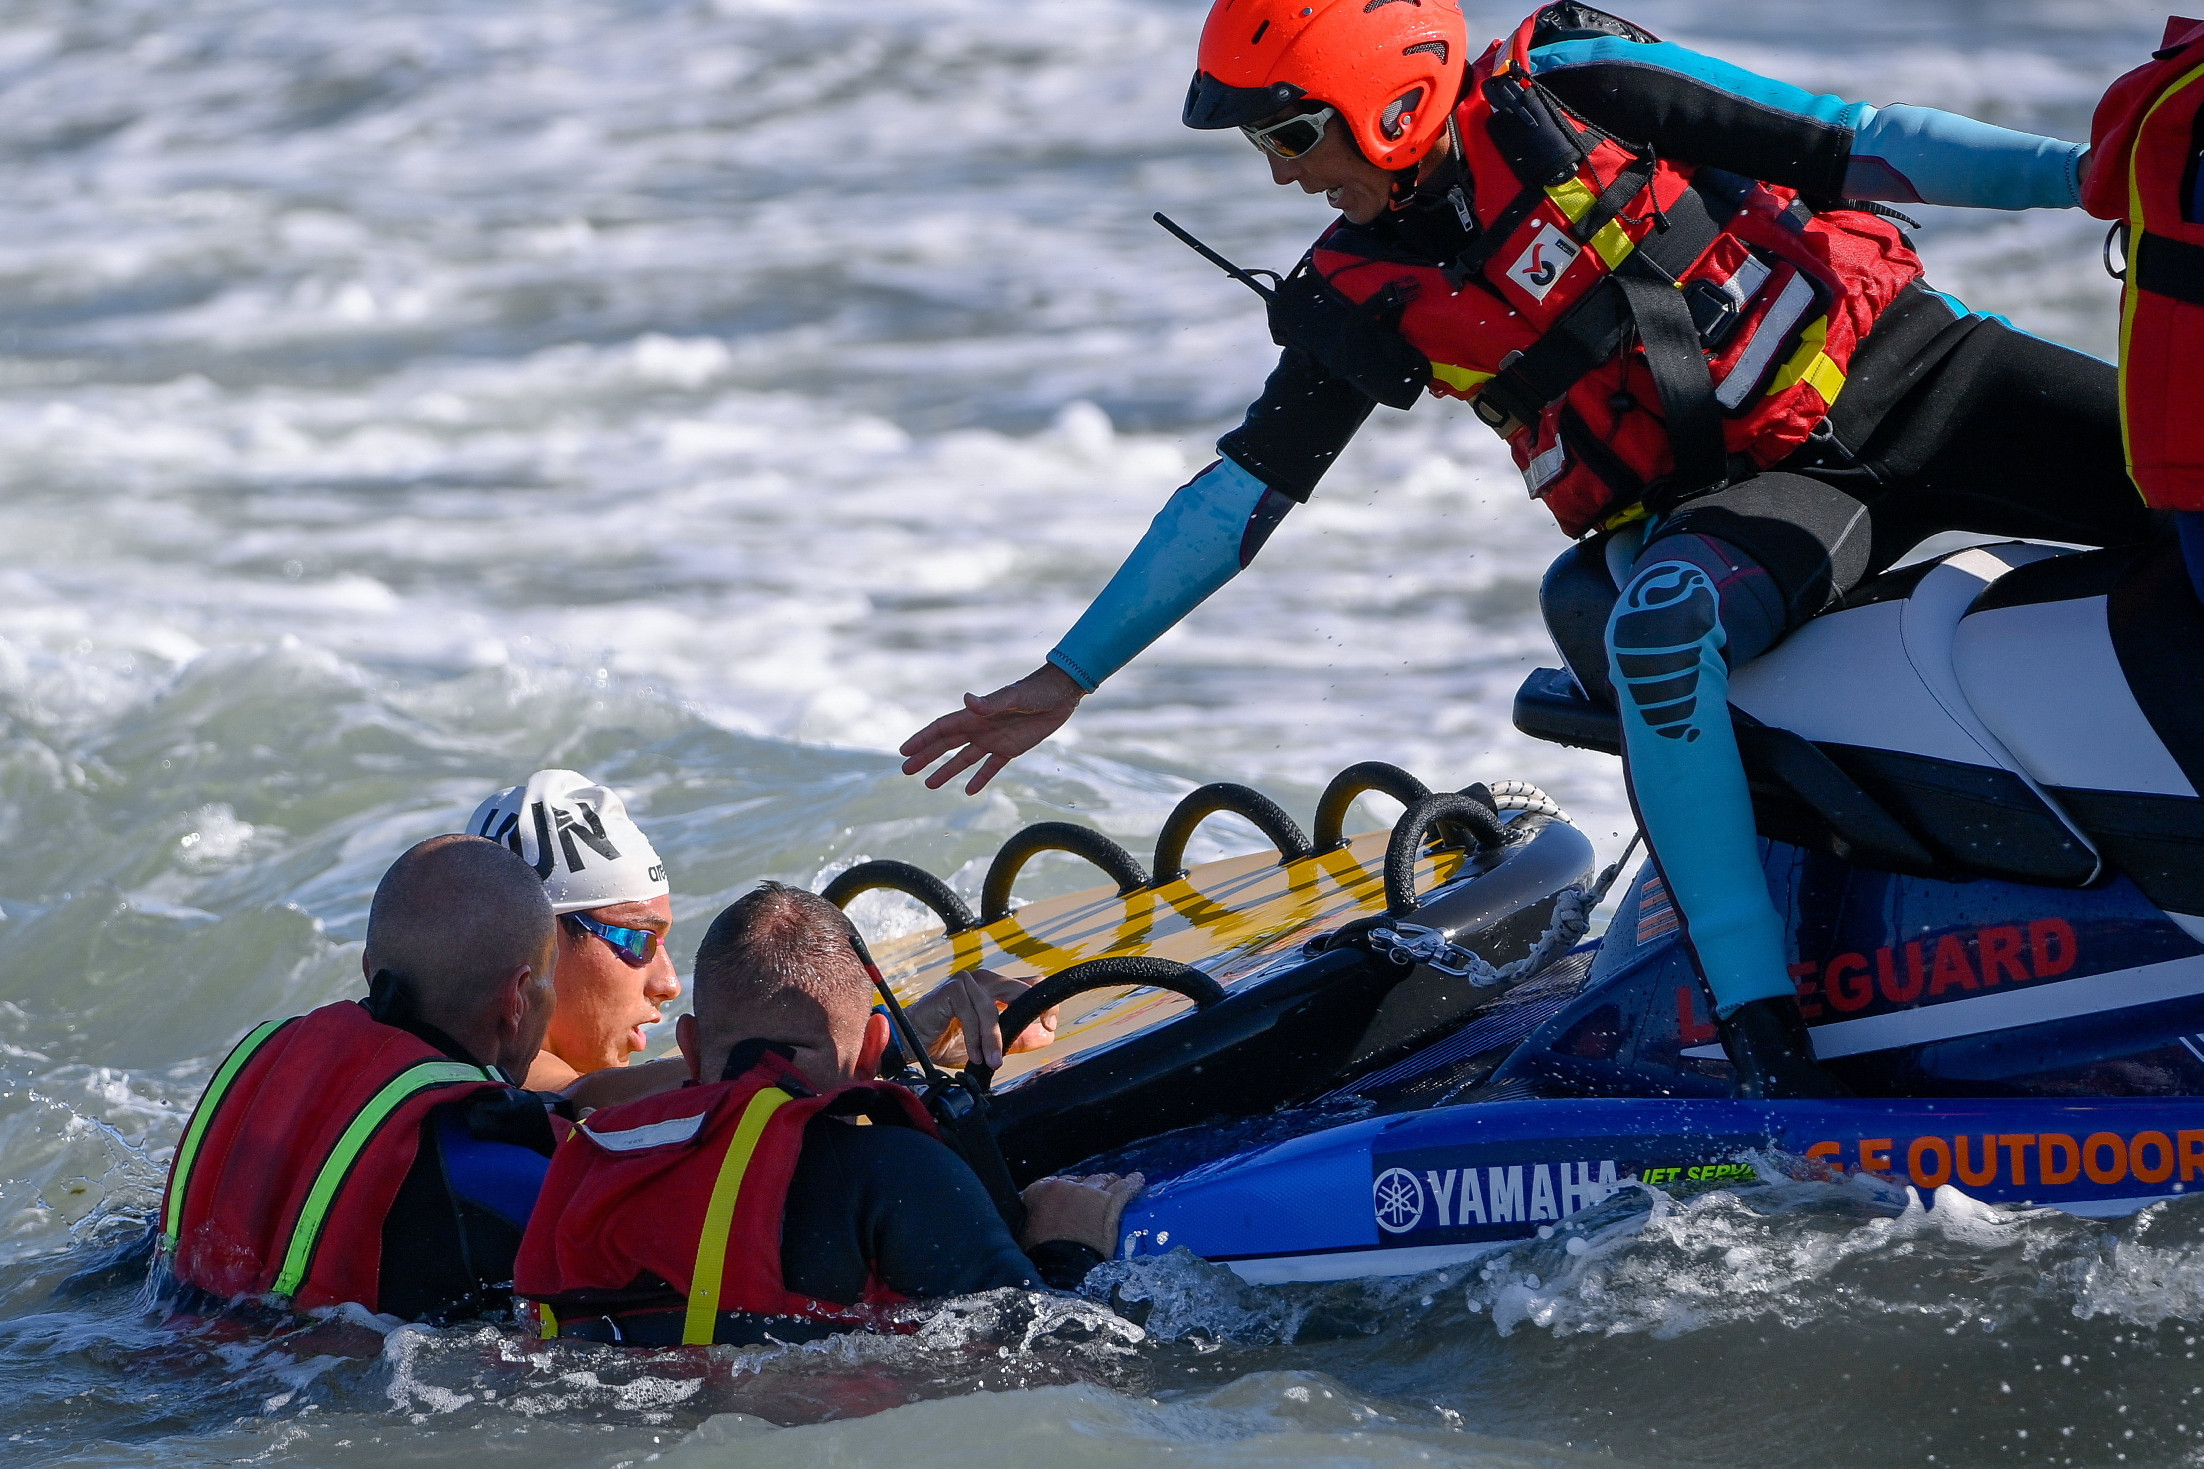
(1979, 784)
(1190, 994)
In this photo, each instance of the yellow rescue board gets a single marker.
(1230, 918)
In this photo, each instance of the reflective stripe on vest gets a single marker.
(701, 1322)
(396, 1092)
(187, 1151)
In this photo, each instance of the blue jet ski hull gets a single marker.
(1424, 1190)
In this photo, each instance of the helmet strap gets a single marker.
(1407, 184)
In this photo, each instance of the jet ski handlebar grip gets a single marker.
(1224, 796)
(1055, 836)
(1107, 973)
(1459, 815)
(1370, 775)
(902, 877)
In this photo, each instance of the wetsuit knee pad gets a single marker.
(1576, 599)
(1665, 630)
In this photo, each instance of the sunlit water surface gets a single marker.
(395, 398)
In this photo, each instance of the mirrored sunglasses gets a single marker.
(1294, 136)
(635, 946)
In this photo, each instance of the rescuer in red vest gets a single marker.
(376, 1151)
(2148, 136)
(751, 1205)
(1678, 291)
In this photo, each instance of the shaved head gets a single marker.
(453, 920)
(777, 965)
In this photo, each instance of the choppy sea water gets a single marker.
(395, 398)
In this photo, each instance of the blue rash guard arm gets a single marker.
(1698, 109)
(1200, 540)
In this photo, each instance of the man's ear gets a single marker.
(875, 1045)
(692, 1049)
(512, 1000)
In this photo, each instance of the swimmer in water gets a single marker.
(615, 976)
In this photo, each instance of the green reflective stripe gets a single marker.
(399, 1090)
(187, 1151)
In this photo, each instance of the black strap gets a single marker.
(2165, 266)
(1628, 183)
(1679, 366)
(1595, 330)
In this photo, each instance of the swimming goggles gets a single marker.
(636, 947)
(1295, 136)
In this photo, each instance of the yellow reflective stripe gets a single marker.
(1574, 198)
(547, 1325)
(1460, 379)
(1811, 366)
(702, 1321)
(352, 1142)
(202, 1116)
(1613, 243)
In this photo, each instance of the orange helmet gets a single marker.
(1393, 68)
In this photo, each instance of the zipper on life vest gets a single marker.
(202, 1117)
(298, 1257)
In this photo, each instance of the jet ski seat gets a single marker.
(1859, 741)
(2090, 669)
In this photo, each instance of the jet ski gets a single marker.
(1233, 987)
(1978, 787)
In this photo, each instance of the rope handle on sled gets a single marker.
(1104, 973)
(1055, 836)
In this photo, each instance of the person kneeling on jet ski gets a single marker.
(1658, 277)
(376, 1151)
(783, 1194)
(615, 975)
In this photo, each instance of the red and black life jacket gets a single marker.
(1638, 330)
(674, 1204)
(294, 1156)
(2147, 151)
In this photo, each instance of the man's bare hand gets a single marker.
(968, 1004)
(1085, 1210)
(995, 728)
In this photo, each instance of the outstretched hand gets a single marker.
(994, 728)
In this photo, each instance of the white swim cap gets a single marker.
(579, 838)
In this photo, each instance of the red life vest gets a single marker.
(292, 1159)
(2146, 143)
(1565, 325)
(674, 1202)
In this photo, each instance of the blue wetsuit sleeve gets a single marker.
(1204, 534)
(1699, 109)
(1919, 155)
(500, 1176)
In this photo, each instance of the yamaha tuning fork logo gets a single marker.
(1397, 1199)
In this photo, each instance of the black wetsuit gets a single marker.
(865, 1203)
(455, 1227)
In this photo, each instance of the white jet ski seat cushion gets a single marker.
(2089, 668)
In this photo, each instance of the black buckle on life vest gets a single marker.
(1639, 298)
